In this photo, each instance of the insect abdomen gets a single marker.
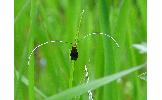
(74, 53)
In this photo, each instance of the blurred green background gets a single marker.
(38, 21)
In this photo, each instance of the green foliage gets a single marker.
(68, 94)
(38, 21)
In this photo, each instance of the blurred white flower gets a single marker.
(141, 47)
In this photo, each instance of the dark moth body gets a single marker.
(74, 53)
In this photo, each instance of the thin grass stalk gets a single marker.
(71, 74)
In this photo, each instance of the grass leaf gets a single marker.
(79, 90)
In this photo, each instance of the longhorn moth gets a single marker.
(74, 51)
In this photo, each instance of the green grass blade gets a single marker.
(109, 61)
(79, 90)
(31, 66)
(31, 76)
(26, 82)
(26, 4)
(71, 74)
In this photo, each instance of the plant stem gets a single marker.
(71, 74)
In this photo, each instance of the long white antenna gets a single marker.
(42, 45)
(107, 35)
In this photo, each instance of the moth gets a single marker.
(74, 51)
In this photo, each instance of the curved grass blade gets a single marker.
(79, 90)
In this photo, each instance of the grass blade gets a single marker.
(26, 82)
(79, 90)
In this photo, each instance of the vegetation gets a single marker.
(51, 75)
